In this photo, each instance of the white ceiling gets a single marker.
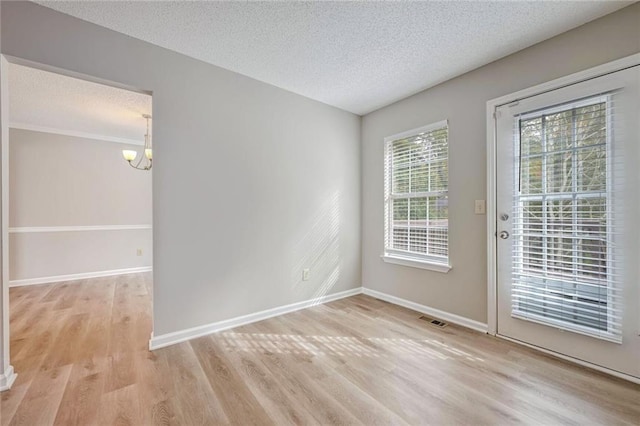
(48, 101)
(358, 56)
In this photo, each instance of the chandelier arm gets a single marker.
(137, 166)
(146, 168)
(141, 157)
(147, 146)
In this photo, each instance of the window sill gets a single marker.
(415, 263)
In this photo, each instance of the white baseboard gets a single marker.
(81, 276)
(437, 313)
(169, 339)
(164, 340)
(7, 379)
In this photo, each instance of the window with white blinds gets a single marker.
(564, 269)
(416, 194)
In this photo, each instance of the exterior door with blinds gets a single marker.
(568, 243)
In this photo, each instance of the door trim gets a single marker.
(492, 214)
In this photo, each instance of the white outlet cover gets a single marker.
(480, 207)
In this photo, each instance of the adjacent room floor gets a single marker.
(81, 351)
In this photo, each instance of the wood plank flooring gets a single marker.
(80, 349)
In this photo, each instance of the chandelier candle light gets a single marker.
(131, 155)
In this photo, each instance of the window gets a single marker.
(562, 266)
(416, 198)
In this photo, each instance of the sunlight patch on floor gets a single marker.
(342, 346)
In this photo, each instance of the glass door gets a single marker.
(568, 205)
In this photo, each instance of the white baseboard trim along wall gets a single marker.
(436, 313)
(169, 339)
(7, 379)
(81, 276)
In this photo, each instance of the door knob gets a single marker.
(504, 235)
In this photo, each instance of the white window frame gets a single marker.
(610, 334)
(398, 257)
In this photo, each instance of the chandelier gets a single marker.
(130, 155)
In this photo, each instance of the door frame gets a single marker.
(7, 373)
(492, 213)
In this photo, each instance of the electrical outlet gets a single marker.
(139, 252)
(305, 274)
(481, 207)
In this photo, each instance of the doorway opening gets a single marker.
(79, 236)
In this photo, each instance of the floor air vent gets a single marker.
(433, 321)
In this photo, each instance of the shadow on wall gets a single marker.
(319, 251)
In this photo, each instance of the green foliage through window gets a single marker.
(417, 193)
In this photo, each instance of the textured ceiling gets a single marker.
(358, 56)
(44, 99)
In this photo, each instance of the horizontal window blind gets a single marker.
(565, 270)
(416, 194)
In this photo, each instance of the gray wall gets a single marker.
(65, 181)
(462, 100)
(251, 183)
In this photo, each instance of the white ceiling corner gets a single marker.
(46, 101)
(358, 56)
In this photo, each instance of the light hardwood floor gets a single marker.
(80, 349)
